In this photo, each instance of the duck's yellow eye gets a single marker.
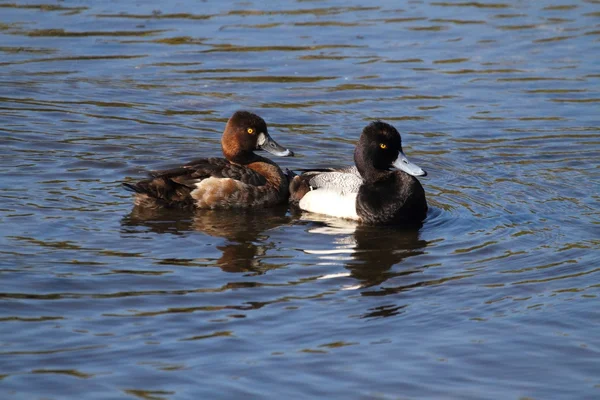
(250, 131)
(383, 145)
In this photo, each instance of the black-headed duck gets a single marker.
(242, 179)
(369, 192)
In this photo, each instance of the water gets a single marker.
(496, 296)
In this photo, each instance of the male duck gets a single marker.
(242, 180)
(370, 192)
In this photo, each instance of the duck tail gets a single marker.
(135, 188)
(156, 187)
(160, 192)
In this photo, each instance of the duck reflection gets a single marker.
(369, 252)
(378, 249)
(245, 231)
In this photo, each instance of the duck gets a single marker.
(380, 189)
(242, 179)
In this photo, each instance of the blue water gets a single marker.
(495, 296)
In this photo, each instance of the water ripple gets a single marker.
(497, 101)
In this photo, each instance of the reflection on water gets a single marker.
(367, 252)
(498, 288)
(246, 232)
(378, 251)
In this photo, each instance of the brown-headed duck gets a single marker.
(241, 180)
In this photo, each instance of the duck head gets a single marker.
(379, 149)
(245, 133)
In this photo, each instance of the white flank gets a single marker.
(330, 203)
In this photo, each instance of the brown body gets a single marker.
(242, 180)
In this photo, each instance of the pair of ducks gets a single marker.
(369, 192)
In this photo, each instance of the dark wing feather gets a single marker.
(221, 168)
(172, 187)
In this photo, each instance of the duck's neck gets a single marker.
(368, 171)
(242, 157)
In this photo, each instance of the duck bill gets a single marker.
(403, 164)
(266, 143)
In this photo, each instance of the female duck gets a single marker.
(370, 192)
(242, 180)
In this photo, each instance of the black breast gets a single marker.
(398, 199)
